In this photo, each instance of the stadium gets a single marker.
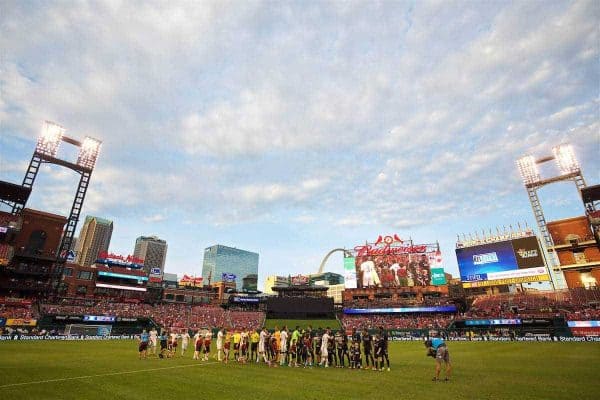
(66, 326)
(409, 175)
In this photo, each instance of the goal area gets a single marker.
(89, 330)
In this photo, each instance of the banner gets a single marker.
(228, 277)
(438, 277)
(527, 252)
(21, 322)
(350, 272)
(299, 280)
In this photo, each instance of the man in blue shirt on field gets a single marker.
(143, 347)
(438, 348)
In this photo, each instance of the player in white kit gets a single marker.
(324, 354)
(219, 344)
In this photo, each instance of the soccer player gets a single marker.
(274, 350)
(254, 339)
(237, 337)
(356, 358)
(173, 344)
(331, 354)
(243, 346)
(185, 340)
(295, 341)
(207, 339)
(219, 344)
(368, 348)
(164, 338)
(384, 341)
(441, 355)
(283, 335)
(143, 346)
(262, 345)
(317, 347)
(324, 343)
(339, 344)
(198, 343)
(307, 349)
(153, 340)
(226, 346)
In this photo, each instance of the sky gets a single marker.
(293, 128)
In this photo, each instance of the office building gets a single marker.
(152, 250)
(94, 237)
(222, 263)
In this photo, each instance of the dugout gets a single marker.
(300, 302)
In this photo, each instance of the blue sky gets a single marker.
(291, 128)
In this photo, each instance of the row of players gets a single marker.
(300, 347)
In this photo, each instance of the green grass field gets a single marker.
(482, 370)
(292, 323)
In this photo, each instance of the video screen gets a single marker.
(394, 270)
(475, 263)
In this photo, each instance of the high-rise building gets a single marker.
(222, 263)
(94, 237)
(152, 250)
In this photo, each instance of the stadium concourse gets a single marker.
(568, 305)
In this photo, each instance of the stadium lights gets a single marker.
(88, 154)
(528, 169)
(50, 139)
(565, 158)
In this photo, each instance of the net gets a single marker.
(91, 330)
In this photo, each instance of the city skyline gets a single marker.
(293, 130)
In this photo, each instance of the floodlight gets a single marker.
(88, 152)
(50, 139)
(565, 158)
(528, 169)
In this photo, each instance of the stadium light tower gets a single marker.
(46, 150)
(570, 170)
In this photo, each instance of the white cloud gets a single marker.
(154, 218)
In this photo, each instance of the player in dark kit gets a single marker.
(368, 349)
(307, 350)
(384, 341)
(339, 344)
(355, 356)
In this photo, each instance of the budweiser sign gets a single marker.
(388, 245)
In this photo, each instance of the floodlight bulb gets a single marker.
(528, 169)
(90, 145)
(565, 158)
(50, 138)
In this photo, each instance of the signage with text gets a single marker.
(393, 262)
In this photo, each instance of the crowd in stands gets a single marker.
(575, 304)
(579, 303)
(402, 302)
(14, 311)
(174, 315)
(419, 321)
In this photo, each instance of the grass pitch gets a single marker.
(482, 370)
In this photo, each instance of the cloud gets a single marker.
(343, 114)
(154, 218)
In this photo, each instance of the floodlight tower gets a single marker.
(570, 170)
(45, 152)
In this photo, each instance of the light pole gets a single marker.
(569, 168)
